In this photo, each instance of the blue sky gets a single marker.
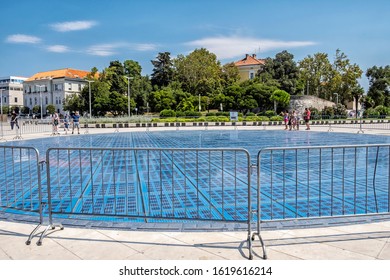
(46, 35)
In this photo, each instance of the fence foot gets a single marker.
(262, 245)
(43, 234)
(28, 242)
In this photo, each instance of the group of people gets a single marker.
(291, 119)
(73, 119)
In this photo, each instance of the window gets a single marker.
(31, 101)
(16, 100)
(79, 87)
(251, 75)
(58, 87)
(46, 100)
(69, 86)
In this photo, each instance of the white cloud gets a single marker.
(145, 47)
(102, 50)
(23, 39)
(230, 47)
(114, 48)
(58, 48)
(73, 25)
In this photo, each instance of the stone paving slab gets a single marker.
(328, 243)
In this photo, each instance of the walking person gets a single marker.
(56, 122)
(66, 123)
(14, 120)
(306, 117)
(76, 122)
(285, 119)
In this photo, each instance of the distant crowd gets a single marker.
(291, 119)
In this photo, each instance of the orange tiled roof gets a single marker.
(249, 60)
(60, 73)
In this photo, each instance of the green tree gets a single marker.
(100, 95)
(316, 73)
(132, 68)
(162, 99)
(259, 92)
(345, 78)
(51, 109)
(6, 110)
(163, 70)
(199, 73)
(118, 104)
(115, 76)
(73, 102)
(357, 93)
(282, 69)
(230, 74)
(379, 85)
(280, 97)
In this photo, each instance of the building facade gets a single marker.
(11, 91)
(52, 87)
(249, 66)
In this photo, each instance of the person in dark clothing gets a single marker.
(14, 120)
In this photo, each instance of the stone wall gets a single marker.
(300, 102)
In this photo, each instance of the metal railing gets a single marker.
(149, 185)
(20, 180)
(306, 182)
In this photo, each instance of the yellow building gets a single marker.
(249, 66)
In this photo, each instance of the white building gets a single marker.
(11, 91)
(51, 87)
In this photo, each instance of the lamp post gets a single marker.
(128, 95)
(90, 102)
(40, 99)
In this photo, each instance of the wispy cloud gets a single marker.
(23, 39)
(230, 47)
(144, 47)
(58, 49)
(102, 50)
(73, 25)
(114, 48)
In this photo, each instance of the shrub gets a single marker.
(193, 114)
(269, 113)
(180, 114)
(382, 110)
(370, 113)
(226, 114)
(167, 113)
(276, 118)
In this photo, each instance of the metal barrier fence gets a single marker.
(146, 185)
(20, 180)
(149, 185)
(361, 124)
(24, 127)
(307, 182)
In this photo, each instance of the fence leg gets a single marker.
(28, 242)
(260, 239)
(330, 126)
